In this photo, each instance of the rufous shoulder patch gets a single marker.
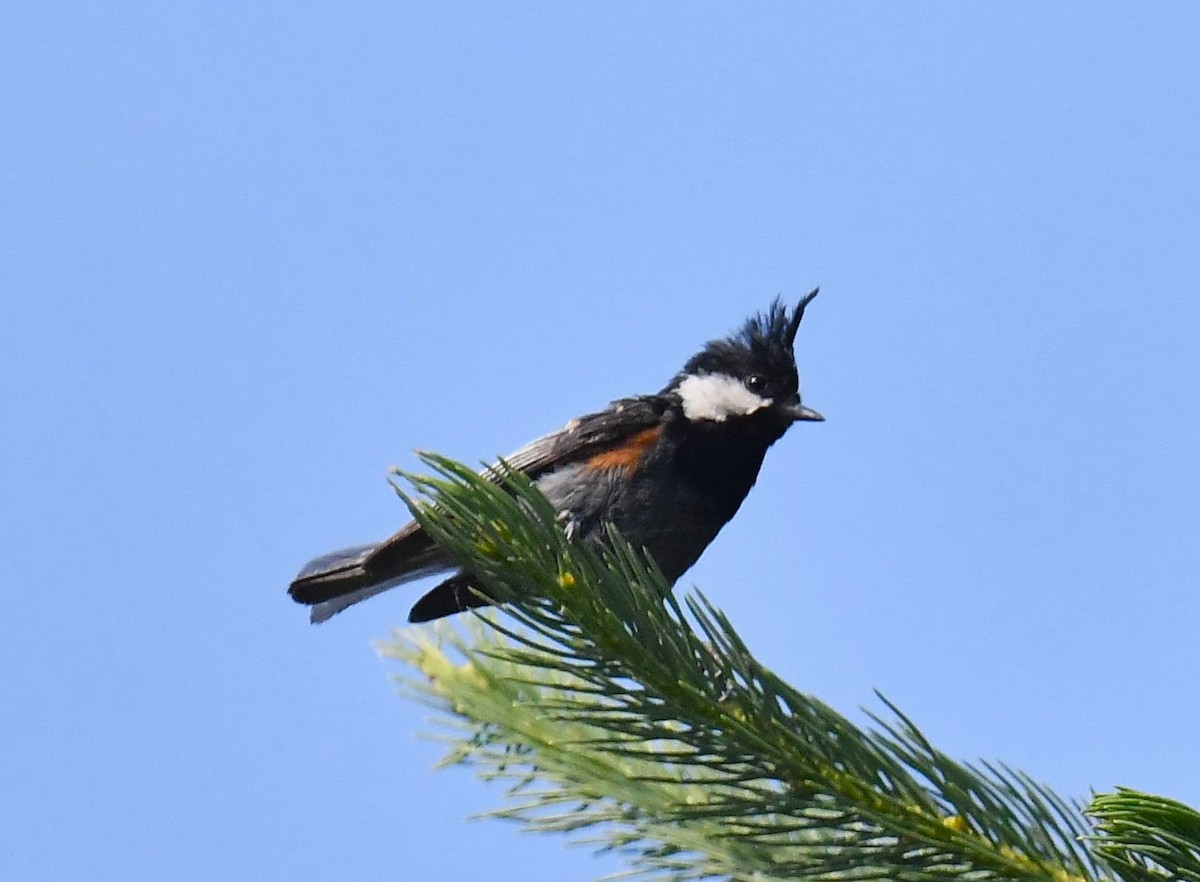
(628, 454)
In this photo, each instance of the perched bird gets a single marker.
(668, 470)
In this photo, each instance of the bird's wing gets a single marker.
(581, 438)
(590, 435)
(610, 438)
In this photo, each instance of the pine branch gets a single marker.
(610, 707)
(1147, 838)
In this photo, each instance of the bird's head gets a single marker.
(749, 377)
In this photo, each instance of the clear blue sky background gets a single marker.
(253, 254)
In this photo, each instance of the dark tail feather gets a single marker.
(331, 575)
(456, 594)
(335, 581)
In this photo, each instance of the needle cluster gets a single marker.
(614, 710)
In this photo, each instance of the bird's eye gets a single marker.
(756, 383)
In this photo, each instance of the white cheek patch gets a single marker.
(717, 397)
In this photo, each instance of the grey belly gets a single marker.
(671, 521)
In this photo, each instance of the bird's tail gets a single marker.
(332, 582)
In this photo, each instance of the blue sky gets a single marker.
(251, 256)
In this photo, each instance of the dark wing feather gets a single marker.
(588, 435)
(579, 439)
(337, 580)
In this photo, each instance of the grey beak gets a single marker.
(798, 412)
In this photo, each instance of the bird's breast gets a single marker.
(671, 498)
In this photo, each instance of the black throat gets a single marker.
(721, 461)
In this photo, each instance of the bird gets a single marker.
(667, 470)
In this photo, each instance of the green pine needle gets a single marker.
(1147, 838)
(611, 708)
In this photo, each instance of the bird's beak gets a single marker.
(798, 411)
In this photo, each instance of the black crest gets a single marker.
(764, 343)
(775, 329)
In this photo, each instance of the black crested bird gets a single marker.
(668, 470)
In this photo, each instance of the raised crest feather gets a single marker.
(769, 337)
(798, 315)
